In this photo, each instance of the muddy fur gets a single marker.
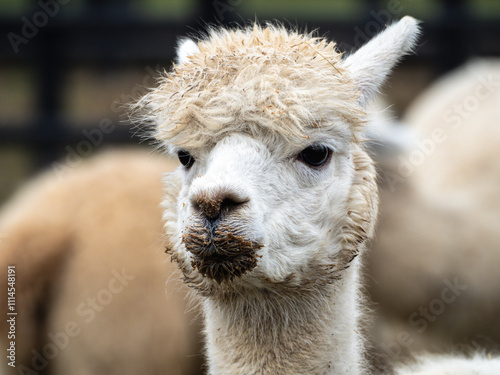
(220, 254)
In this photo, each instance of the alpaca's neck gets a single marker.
(306, 332)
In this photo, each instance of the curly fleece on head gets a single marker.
(254, 80)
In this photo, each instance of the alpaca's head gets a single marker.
(275, 190)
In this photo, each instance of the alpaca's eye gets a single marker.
(185, 158)
(315, 155)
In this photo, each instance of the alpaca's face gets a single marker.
(276, 190)
(254, 213)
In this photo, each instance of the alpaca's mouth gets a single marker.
(220, 254)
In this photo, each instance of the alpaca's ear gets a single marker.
(372, 63)
(185, 48)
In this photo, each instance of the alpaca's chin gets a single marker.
(222, 285)
(219, 279)
(224, 269)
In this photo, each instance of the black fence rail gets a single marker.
(109, 33)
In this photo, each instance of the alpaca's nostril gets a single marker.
(212, 206)
(228, 203)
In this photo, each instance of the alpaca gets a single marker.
(269, 215)
(452, 365)
(91, 273)
(441, 223)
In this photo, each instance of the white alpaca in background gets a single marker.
(440, 221)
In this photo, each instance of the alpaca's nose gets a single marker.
(215, 204)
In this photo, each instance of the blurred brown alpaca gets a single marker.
(95, 292)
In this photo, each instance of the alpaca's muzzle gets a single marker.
(220, 253)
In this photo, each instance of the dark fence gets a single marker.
(109, 33)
